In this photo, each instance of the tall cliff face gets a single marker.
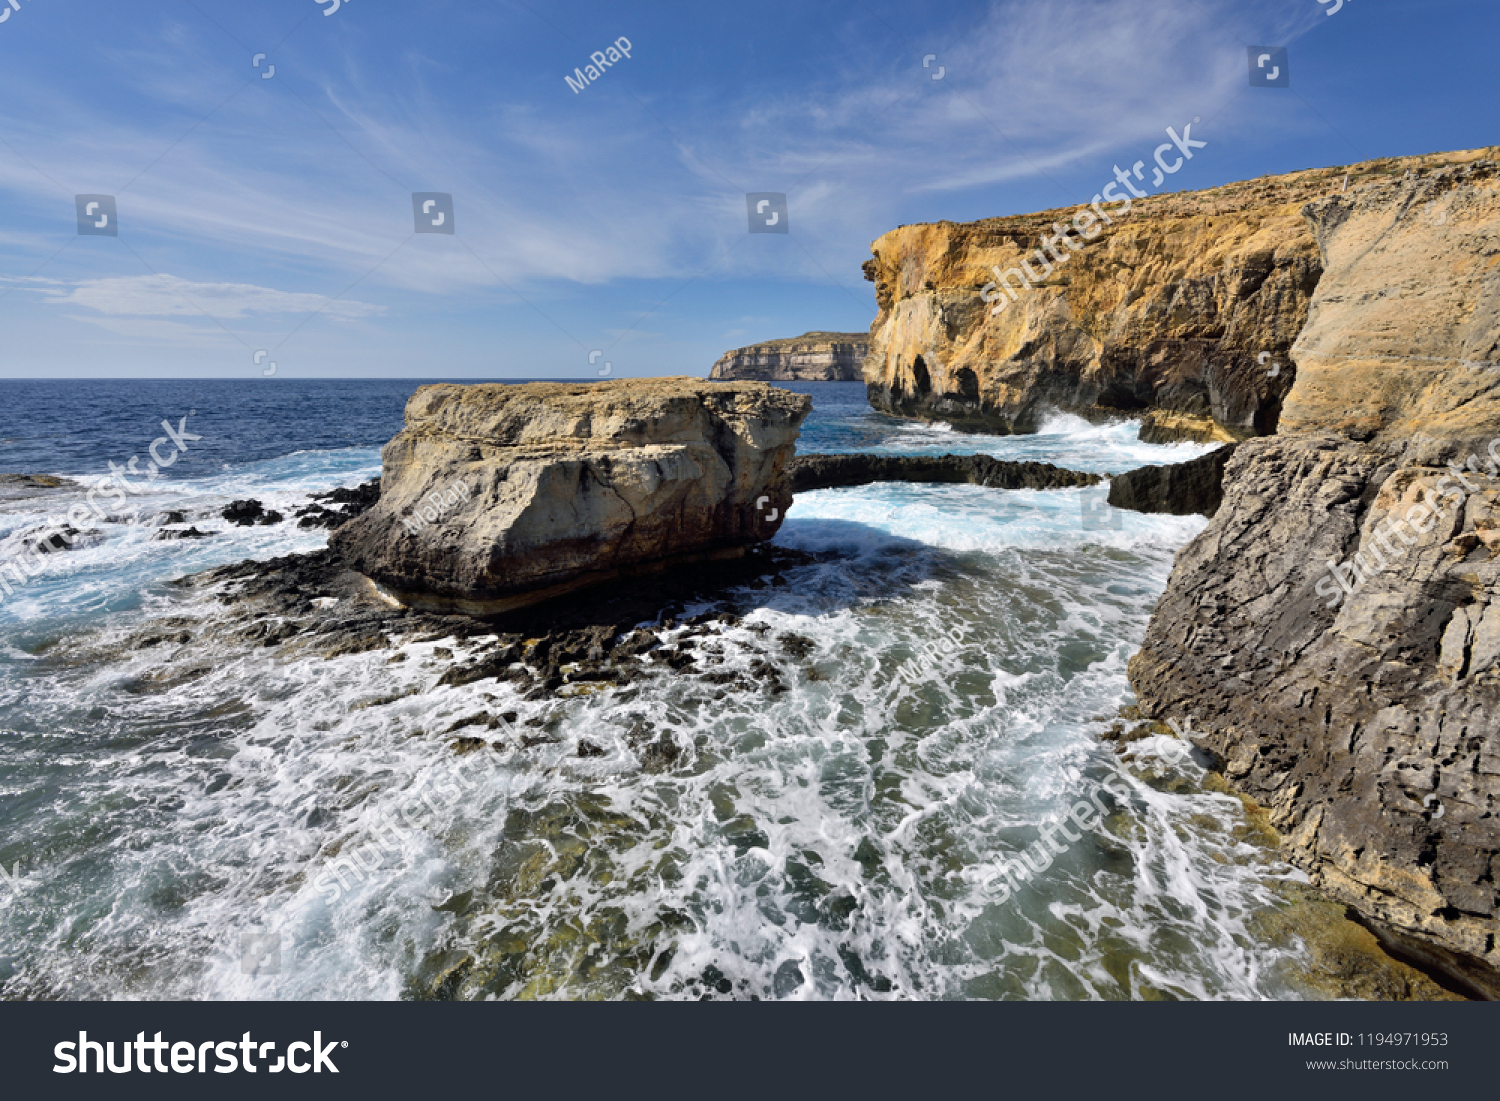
(811, 357)
(1182, 310)
(1334, 634)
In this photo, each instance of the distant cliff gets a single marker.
(811, 357)
(1181, 310)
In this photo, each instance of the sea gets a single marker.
(928, 810)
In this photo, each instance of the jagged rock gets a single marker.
(354, 502)
(1184, 309)
(180, 533)
(566, 485)
(1358, 698)
(811, 357)
(65, 538)
(1179, 489)
(247, 513)
(809, 472)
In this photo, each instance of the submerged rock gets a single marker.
(1179, 489)
(494, 497)
(809, 472)
(35, 481)
(1334, 633)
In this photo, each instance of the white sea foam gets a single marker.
(832, 841)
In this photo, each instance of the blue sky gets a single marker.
(276, 214)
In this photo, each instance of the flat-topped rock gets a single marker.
(811, 357)
(497, 496)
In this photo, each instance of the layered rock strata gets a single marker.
(1334, 634)
(809, 472)
(1179, 308)
(811, 357)
(547, 487)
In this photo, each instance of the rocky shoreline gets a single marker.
(1331, 638)
(1333, 631)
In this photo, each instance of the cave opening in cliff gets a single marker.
(921, 380)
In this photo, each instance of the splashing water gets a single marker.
(834, 830)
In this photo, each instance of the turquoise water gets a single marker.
(842, 839)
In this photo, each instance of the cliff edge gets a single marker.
(1333, 635)
(1178, 308)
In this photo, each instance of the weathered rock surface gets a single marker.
(565, 485)
(811, 357)
(1179, 489)
(1359, 698)
(810, 472)
(1182, 310)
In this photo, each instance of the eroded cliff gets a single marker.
(1334, 634)
(1181, 309)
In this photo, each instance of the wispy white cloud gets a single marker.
(169, 296)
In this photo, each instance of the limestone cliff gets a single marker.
(1334, 634)
(811, 357)
(494, 497)
(1181, 310)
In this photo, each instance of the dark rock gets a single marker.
(495, 664)
(246, 513)
(810, 472)
(589, 749)
(180, 533)
(1179, 489)
(64, 539)
(798, 646)
(354, 502)
(661, 754)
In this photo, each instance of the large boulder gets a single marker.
(1334, 633)
(495, 496)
